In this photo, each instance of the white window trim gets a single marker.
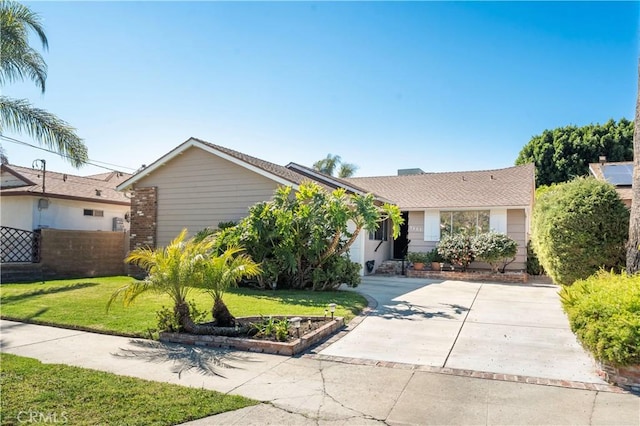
(497, 219)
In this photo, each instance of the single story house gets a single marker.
(199, 184)
(31, 199)
(619, 174)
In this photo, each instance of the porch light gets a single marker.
(296, 323)
(332, 308)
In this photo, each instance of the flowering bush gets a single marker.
(457, 249)
(495, 249)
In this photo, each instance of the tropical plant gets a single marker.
(496, 249)
(19, 62)
(330, 163)
(297, 238)
(171, 271)
(579, 227)
(565, 153)
(219, 273)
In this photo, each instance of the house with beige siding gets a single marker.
(199, 184)
(436, 204)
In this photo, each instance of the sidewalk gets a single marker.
(310, 390)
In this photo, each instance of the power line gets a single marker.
(90, 162)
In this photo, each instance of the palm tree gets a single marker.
(19, 62)
(329, 164)
(172, 271)
(347, 170)
(221, 273)
(633, 247)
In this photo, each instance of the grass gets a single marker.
(82, 303)
(33, 392)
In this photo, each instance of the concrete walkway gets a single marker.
(310, 390)
(498, 328)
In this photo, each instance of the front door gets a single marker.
(401, 244)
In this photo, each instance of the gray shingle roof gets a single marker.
(64, 185)
(513, 186)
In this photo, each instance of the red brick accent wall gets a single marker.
(80, 254)
(144, 213)
(507, 277)
(627, 377)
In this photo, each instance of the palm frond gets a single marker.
(20, 116)
(18, 60)
(347, 170)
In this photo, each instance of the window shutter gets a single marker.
(498, 220)
(432, 225)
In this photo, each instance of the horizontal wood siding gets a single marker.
(198, 190)
(517, 230)
(416, 233)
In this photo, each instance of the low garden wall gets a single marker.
(507, 277)
(81, 254)
(254, 345)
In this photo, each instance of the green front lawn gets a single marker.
(33, 392)
(82, 303)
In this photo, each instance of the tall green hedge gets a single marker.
(579, 227)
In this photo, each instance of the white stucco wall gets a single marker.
(22, 212)
(17, 212)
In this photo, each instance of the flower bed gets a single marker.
(291, 347)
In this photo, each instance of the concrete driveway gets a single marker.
(498, 328)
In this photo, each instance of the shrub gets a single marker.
(302, 239)
(579, 227)
(496, 249)
(457, 249)
(418, 257)
(533, 263)
(604, 312)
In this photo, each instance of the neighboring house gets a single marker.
(199, 184)
(32, 199)
(619, 174)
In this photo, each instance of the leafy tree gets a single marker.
(19, 62)
(565, 153)
(579, 227)
(302, 239)
(330, 163)
(633, 246)
(219, 273)
(496, 249)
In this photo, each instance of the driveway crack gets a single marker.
(464, 321)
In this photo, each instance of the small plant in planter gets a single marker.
(418, 259)
(435, 259)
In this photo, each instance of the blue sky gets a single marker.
(385, 85)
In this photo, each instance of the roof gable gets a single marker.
(272, 171)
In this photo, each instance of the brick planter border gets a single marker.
(254, 345)
(627, 377)
(507, 277)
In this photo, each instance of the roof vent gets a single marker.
(405, 172)
(98, 192)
